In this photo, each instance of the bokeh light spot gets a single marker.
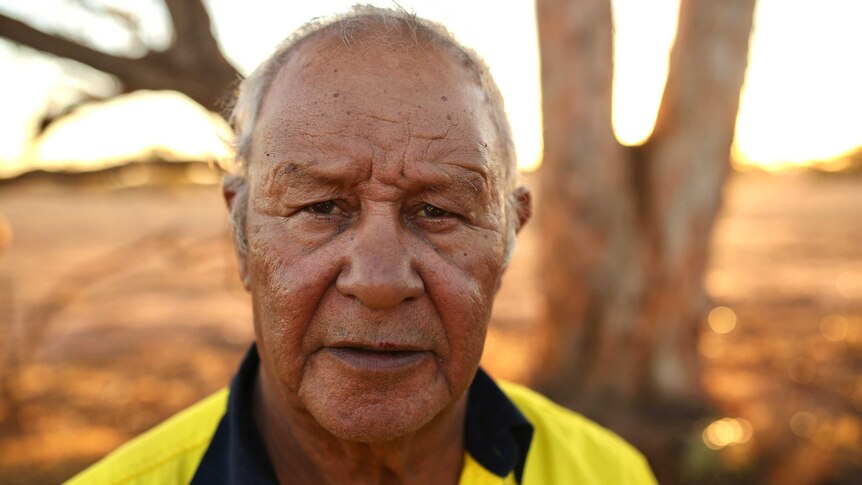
(803, 424)
(727, 431)
(722, 319)
(834, 328)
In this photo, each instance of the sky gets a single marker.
(801, 100)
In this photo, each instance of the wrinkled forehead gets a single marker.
(376, 58)
(378, 85)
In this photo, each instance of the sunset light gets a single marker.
(697, 289)
(800, 102)
(164, 125)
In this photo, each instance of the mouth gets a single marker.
(377, 358)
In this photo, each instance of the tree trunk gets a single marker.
(626, 230)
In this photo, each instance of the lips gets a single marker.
(377, 357)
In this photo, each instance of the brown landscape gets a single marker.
(120, 304)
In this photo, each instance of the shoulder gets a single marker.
(168, 453)
(568, 447)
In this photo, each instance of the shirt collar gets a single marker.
(496, 434)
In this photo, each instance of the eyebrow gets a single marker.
(463, 179)
(457, 179)
(307, 174)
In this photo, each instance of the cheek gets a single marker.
(287, 283)
(462, 284)
(477, 263)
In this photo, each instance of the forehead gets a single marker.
(376, 93)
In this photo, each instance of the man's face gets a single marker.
(376, 234)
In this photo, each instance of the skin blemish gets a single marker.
(444, 98)
(349, 113)
(335, 95)
(449, 117)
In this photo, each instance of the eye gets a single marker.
(432, 212)
(325, 208)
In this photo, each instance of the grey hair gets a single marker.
(350, 27)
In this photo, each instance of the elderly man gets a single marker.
(375, 216)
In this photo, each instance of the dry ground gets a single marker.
(119, 307)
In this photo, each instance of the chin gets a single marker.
(374, 426)
(375, 413)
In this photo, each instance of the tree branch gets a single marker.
(193, 64)
(192, 30)
(22, 33)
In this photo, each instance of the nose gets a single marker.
(379, 267)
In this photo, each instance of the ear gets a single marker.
(523, 206)
(235, 191)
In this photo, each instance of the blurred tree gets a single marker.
(192, 64)
(625, 230)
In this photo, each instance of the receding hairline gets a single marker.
(359, 72)
(395, 29)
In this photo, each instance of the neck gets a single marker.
(301, 451)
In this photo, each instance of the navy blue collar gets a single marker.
(496, 434)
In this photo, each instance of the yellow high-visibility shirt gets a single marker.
(564, 448)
